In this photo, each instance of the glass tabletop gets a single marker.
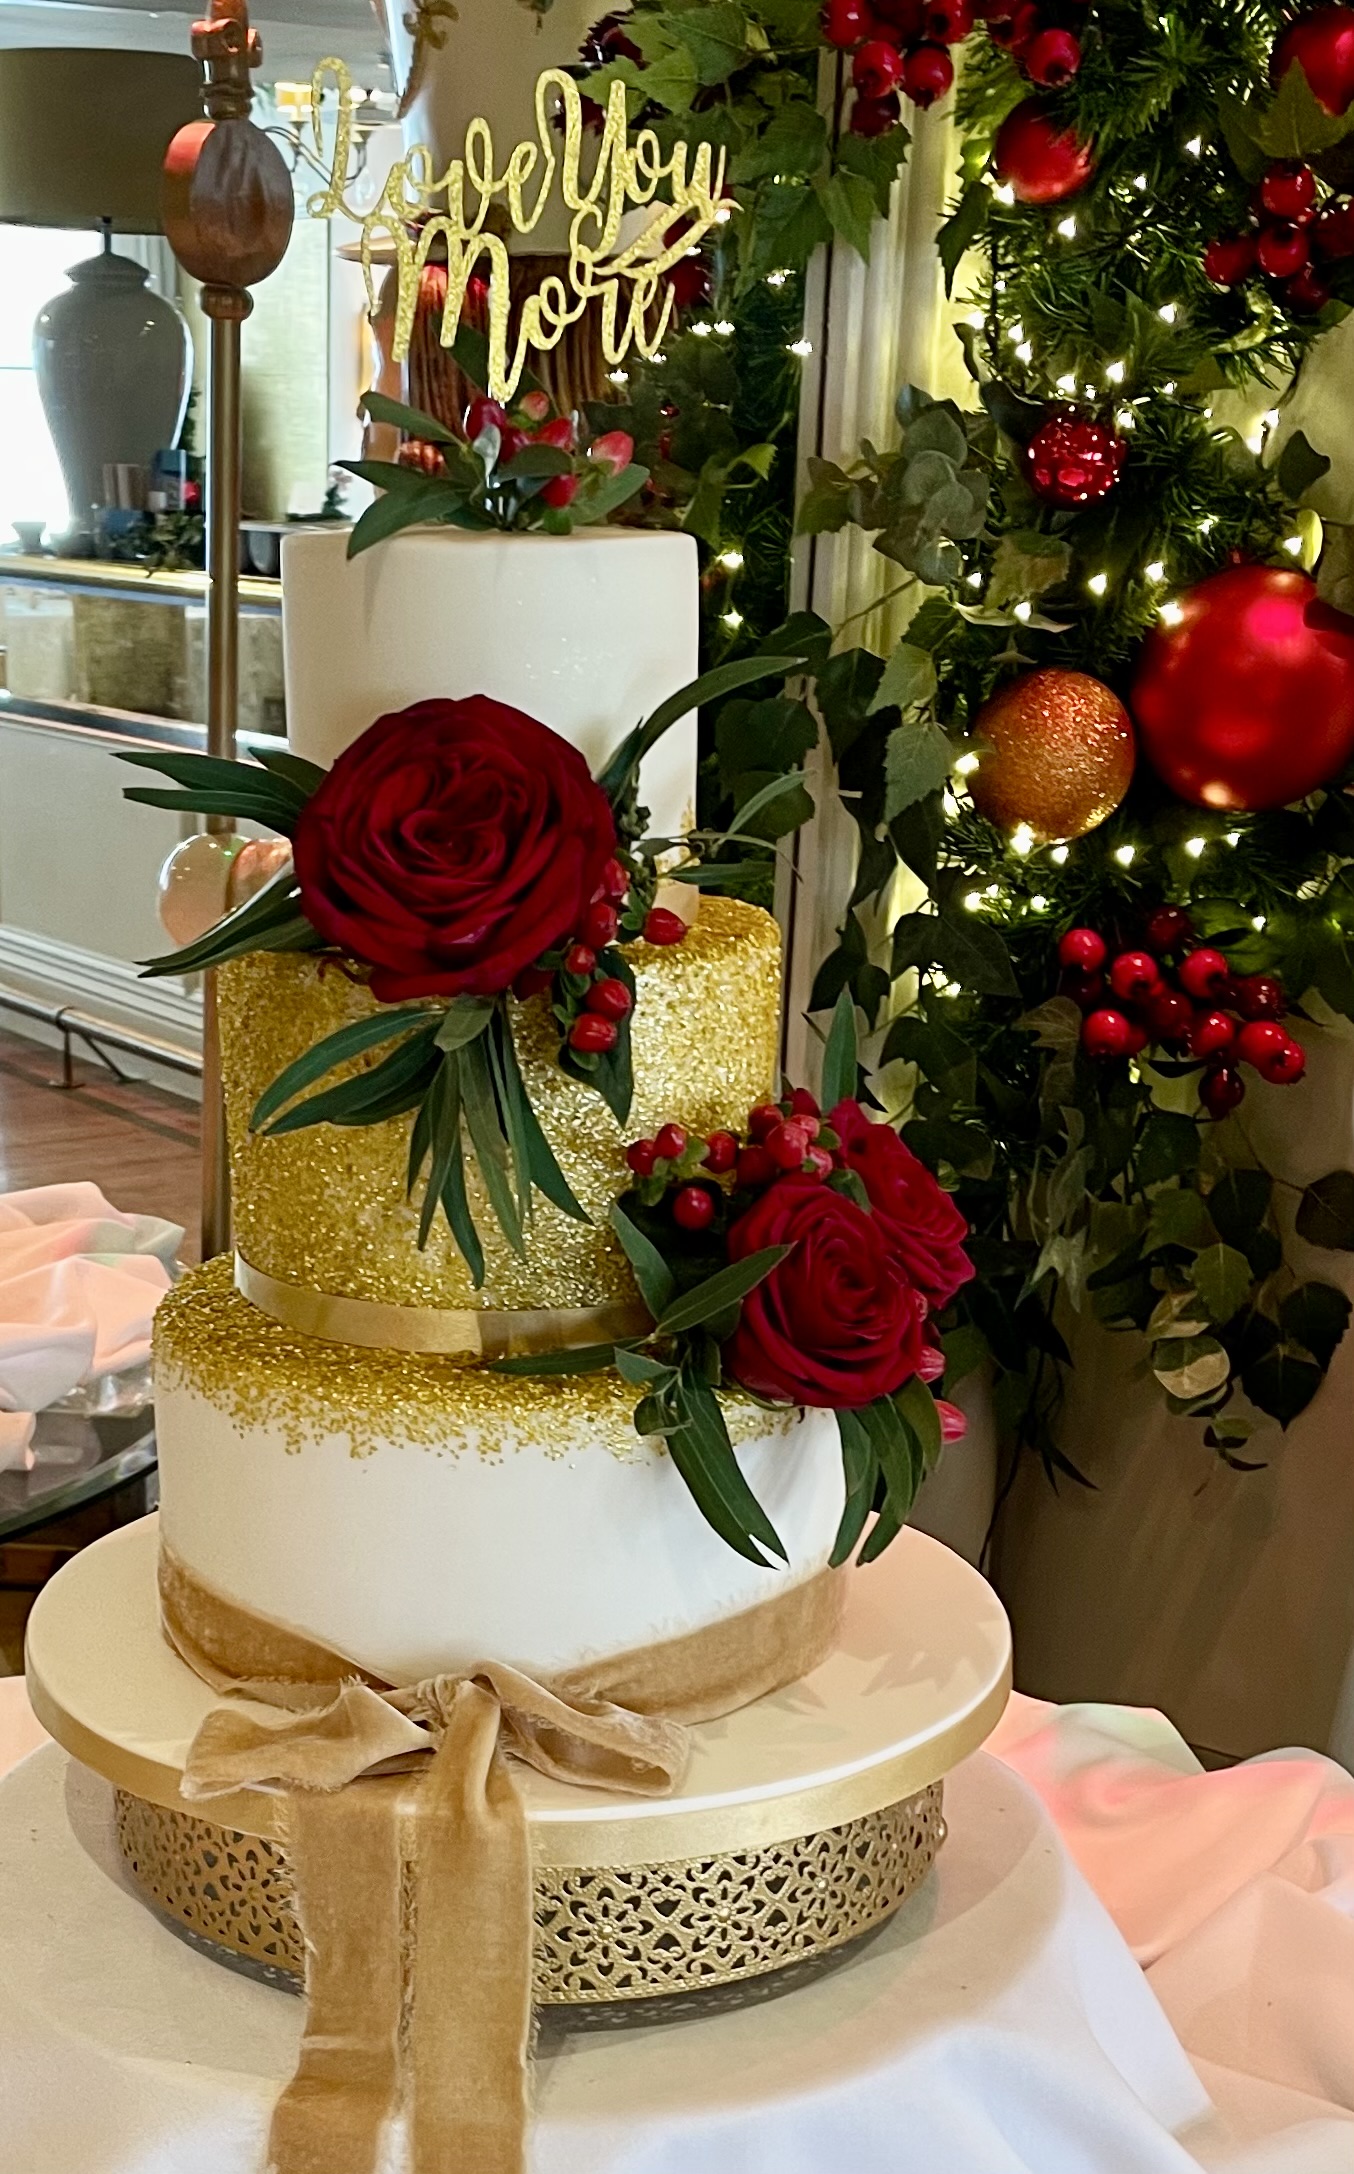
(79, 1456)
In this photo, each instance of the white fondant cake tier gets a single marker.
(417, 1516)
(588, 633)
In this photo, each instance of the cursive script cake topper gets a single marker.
(468, 210)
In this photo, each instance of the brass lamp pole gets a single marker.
(227, 202)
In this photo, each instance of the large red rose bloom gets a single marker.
(450, 846)
(924, 1226)
(837, 1323)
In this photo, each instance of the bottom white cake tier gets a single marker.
(418, 1516)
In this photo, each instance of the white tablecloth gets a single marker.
(1000, 2025)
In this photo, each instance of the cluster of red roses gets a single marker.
(1196, 1007)
(877, 1248)
(456, 845)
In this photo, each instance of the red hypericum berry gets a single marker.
(877, 68)
(559, 432)
(1258, 1040)
(600, 924)
(1220, 1090)
(513, 442)
(614, 450)
(534, 407)
(763, 1120)
(818, 1163)
(875, 116)
(1281, 250)
(948, 22)
(1289, 192)
(1106, 1034)
(721, 1153)
(480, 414)
(670, 1141)
(1204, 973)
(610, 999)
(641, 1156)
(1212, 1034)
(532, 981)
(1260, 996)
(693, 1207)
(1084, 949)
(1306, 292)
(844, 22)
(804, 1104)
(1133, 975)
(1167, 928)
(1170, 1016)
(1051, 59)
(560, 491)
(593, 1034)
(662, 926)
(787, 1144)
(692, 287)
(615, 881)
(1230, 259)
(755, 1168)
(1333, 233)
(1286, 1065)
(1085, 990)
(928, 73)
(579, 959)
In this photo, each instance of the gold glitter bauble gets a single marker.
(1059, 756)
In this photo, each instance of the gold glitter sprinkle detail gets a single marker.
(327, 1208)
(212, 1342)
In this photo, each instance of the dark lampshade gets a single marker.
(83, 132)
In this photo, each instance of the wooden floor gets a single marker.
(141, 1147)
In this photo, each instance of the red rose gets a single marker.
(926, 1228)
(836, 1323)
(450, 846)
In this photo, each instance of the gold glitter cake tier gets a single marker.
(326, 1208)
(210, 1340)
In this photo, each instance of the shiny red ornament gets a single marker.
(1107, 1033)
(1083, 948)
(1321, 42)
(1071, 461)
(928, 73)
(1247, 700)
(1221, 1089)
(1041, 162)
(1230, 259)
(1051, 59)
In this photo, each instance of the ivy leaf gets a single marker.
(909, 679)
(1282, 1383)
(1239, 1205)
(1316, 1316)
(1024, 565)
(974, 954)
(790, 224)
(1297, 125)
(917, 760)
(1055, 1025)
(875, 160)
(1168, 1146)
(1180, 1218)
(1240, 126)
(716, 38)
(1326, 1212)
(793, 142)
(1222, 1278)
(962, 229)
(1300, 466)
(1191, 1367)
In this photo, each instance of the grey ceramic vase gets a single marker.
(113, 362)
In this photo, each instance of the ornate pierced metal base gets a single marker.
(605, 1935)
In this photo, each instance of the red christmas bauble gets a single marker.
(1322, 43)
(1247, 700)
(1039, 161)
(1071, 461)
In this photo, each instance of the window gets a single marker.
(33, 261)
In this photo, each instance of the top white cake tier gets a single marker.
(588, 633)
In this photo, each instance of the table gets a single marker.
(80, 1459)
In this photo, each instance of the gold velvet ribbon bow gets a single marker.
(409, 1849)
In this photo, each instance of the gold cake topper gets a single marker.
(470, 208)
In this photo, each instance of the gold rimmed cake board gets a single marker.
(804, 1822)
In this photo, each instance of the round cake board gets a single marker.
(918, 1679)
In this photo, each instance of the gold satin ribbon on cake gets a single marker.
(452, 1332)
(413, 1872)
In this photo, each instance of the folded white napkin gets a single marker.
(79, 1285)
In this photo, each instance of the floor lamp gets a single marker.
(227, 200)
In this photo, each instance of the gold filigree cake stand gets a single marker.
(802, 1825)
